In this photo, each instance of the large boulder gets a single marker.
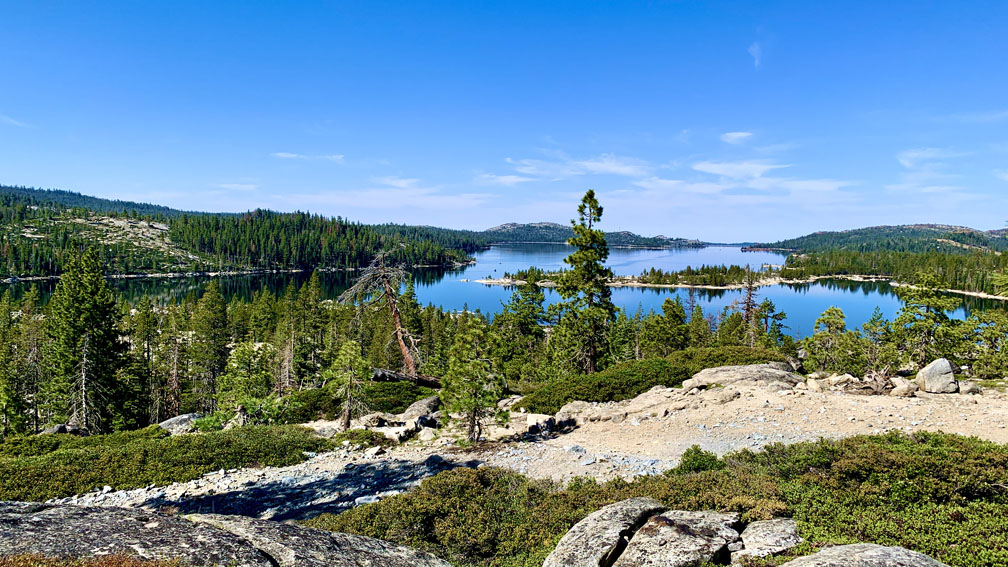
(938, 378)
(180, 424)
(421, 408)
(865, 555)
(199, 540)
(603, 535)
(768, 537)
(766, 373)
(680, 539)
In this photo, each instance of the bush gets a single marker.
(939, 494)
(696, 459)
(49, 466)
(324, 403)
(632, 378)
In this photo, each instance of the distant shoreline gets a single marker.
(631, 281)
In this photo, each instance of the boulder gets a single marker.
(375, 419)
(538, 422)
(180, 424)
(937, 378)
(602, 535)
(902, 387)
(722, 396)
(63, 428)
(813, 385)
(421, 408)
(865, 555)
(841, 380)
(750, 373)
(72, 531)
(240, 419)
(768, 537)
(574, 413)
(967, 387)
(680, 539)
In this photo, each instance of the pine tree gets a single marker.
(86, 347)
(469, 387)
(12, 402)
(588, 308)
(209, 345)
(348, 375)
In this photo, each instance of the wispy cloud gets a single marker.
(503, 180)
(1001, 174)
(735, 137)
(398, 182)
(980, 117)
(737, 169)
(918, 157)
(4, 119)
(565, 167)
(237, 186)
(394, 193)
(327, 157)
(757, 54)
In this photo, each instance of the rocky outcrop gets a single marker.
(640, 532)
(768, 537)
(180, 424)
(938, 378)
(767, 373)
(72, 531)
(865, 555)
(680, 539)
(603, 535)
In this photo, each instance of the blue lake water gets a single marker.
(450, 289)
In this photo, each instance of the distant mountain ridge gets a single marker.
(899, 238)
(553, 232)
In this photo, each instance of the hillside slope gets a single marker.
(553, 232)
(899, 238)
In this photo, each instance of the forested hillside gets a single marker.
(552, 232)
(903, 238)
(42, 229)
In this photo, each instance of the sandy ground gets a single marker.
(647, 441)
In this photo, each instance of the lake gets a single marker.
(456, 290)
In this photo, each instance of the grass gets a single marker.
(942, 495)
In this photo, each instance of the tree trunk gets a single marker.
(390, 295)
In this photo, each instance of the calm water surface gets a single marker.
(456, 290)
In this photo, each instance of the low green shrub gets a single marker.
(696, 459)
(48, 466)
(939, 494)
(325, 403)
(632, 378)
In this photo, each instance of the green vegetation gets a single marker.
(942, 495)
(49, 466)
(917, 238)
(558, 233)
(920, 333)
(587, 308)
(42, 230)
(632, 378)
(701, 276)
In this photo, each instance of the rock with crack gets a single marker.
(768, 537)
(602, 536)
(198, 540)
(865, 555)
(294, 546)
(680, 539)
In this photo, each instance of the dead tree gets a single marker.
(379, 284)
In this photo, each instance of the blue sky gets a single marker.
(714, 120)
